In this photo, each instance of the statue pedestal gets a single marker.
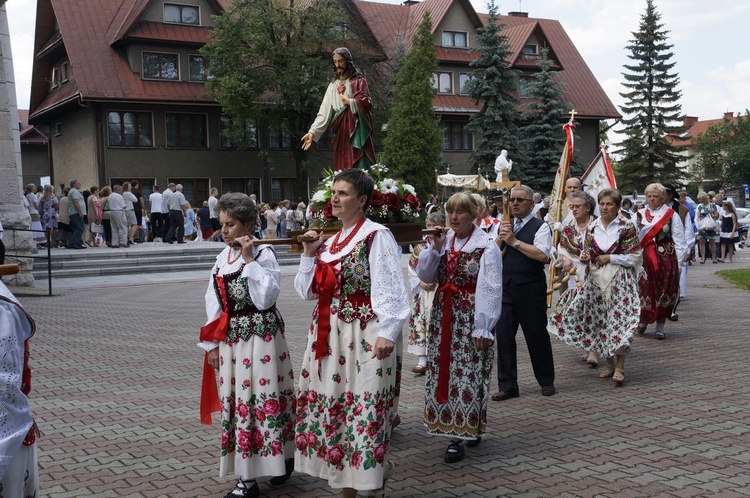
(506, 184)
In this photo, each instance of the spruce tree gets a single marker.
(493, 85)
(545, 116)
(652, 110)
(413, 145)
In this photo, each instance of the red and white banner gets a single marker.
(563, 169)
(599, 174)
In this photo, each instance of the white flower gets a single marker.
(409, 189)
(319, 196)
(389, 186)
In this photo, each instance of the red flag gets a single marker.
(599, 174)
(563, 169)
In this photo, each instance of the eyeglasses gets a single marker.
(518, 199)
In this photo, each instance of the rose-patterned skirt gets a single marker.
(592, 320)
(344, 407)
(419, 321)
(464, 415)
(256, 388)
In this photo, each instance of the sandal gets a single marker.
(619, 376)
(660, 335)
(455, 452)
(641, 329)
(592, 360)
(608, 371)
(244, 489)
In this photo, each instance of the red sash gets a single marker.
(647, 243)
(325, 284)
(449, 290)
(210, 402)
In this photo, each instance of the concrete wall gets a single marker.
(35, 163)
(73, 144)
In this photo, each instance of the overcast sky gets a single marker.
(710, 44)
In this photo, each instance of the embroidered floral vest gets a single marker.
(245, 319)
(354, 284)
(467, 276)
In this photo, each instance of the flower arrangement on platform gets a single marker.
(393, 201)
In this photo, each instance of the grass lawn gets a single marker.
(740, 278)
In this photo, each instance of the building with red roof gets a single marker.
(121, 86)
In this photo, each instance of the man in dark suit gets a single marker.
(527, 242)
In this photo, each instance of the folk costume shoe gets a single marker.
(245, 489)
(455, 452)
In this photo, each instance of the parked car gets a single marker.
(742, 232)
(743, 216)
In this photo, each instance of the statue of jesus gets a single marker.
(503, 165)
(347, 109)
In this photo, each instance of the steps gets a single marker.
(149, 257)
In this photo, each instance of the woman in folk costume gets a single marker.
(662, 239)
(423, 294)
(603, 316)
(349, 382)
(570, 250)
(244, 340)
(467, 266)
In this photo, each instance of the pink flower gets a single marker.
(355, 459)
(380, 451)
(262, 381)
(335, 455)
(349, 398)
(322, 452)
(246, 362)
(358, 410)
(312, 396)
(271, 407)
(260, 415)
(276, 447)
(242, 410)
(266, 359)
(256, 438)
(301, 442)
(312, 439)
(246, 383)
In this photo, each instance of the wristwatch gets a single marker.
(516, 244)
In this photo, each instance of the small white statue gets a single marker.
(503, 165)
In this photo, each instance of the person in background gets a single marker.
(262, 208)
(189, 223)
(213, 201)
(204, 221)
(626, 208)
(139, 207)
(33, 208)
(272, 221)
(104, 194)
(50, 216)
(544, 210)
(423, 294)
(92, 210)
(77, 211)
(118, 219)
(487, 223)
(295, 218)
(282, 211)
(63, 223)
(157, 219)
(729, 226)
(130, 201)
(706, 226)
(169, 192)
(19, 471)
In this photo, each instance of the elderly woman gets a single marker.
(467, 267)
(33, 208)
(244, 341)
(50, 207)
(349, 386)
(662, 238)
(706, 226)
(573, 253)
(604, 316)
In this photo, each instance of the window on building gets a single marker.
(442, 82)
(455, 136)
(455, 39)
(248, 141)
(186, 130)
(181, 14)
(54, 79)
(160, 66)
(146, 185)
(197, 68)
(524, 86)
(283, 188)
(279, 140)
(247, 186)
(195, 190)
(464, 80)
(531, 49)
(130, 129)
(57, 129)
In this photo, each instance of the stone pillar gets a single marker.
(13, 213)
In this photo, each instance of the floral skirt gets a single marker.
(256, 388)
(594, 320)
(419, 322)
(464, 414)
(659, 289)
(344, 407)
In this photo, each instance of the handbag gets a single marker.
(97, 228)
(707, 223)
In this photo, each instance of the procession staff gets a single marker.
(349, 373)
(244, 341)
(662, 238)
(467, 267)
(603, 316)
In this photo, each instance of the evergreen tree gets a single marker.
(413, 145)
(543, 134)
(651, 109)
(493, 84)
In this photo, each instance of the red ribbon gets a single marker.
(648, 244)
(325, 284)
(210, 402)
(448, 290)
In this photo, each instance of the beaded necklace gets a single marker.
(229, 256)
(337, 246)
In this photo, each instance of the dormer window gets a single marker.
(181, 14)
(458, 39)
(531, 49)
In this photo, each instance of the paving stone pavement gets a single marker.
(117, 376)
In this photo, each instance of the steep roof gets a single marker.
(696, 128)
(30, 134)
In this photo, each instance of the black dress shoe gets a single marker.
(473, 443)
(289, 468)
(455, 452)
(548, 390)
(673, 317)
(245, 489)
(503, 395)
